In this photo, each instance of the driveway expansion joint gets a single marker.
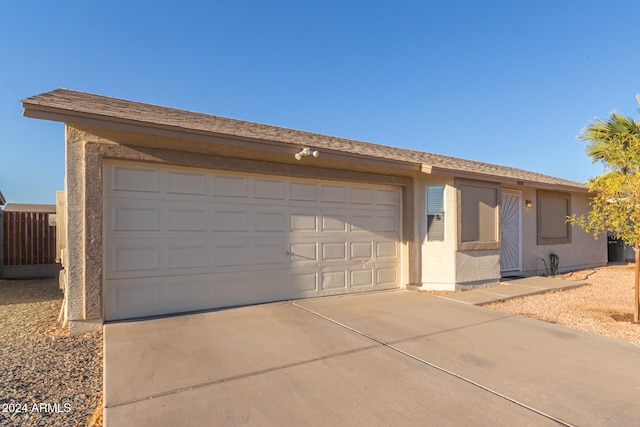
(439, 368)
(239, 377)
(444, 331)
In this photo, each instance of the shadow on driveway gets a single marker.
(385, 358)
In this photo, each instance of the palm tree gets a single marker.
(615, 206)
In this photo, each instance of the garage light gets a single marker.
(306, 152)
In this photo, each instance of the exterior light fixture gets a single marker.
(528, 203)
(306, 152)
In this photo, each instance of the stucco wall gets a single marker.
(438, 269)
(476, 268)
(74, 262)
(583, 252)
(445, 267)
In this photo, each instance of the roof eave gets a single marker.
(428, 169)
(72, 117)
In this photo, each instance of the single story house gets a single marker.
(171, 211)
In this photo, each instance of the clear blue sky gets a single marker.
(506, 82)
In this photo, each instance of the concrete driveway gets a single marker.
(392, 358)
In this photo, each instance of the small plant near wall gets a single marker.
(554, 261)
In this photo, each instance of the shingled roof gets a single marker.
(68, 105)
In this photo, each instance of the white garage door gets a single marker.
(183, 239)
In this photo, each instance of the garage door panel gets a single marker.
(362, 196)
(136, 258)
(270, 253)
(268, 189)
(386, 250)
(229, 289)
(303, 192)
(188, 239)
(361, 278)
(361, 223)
(303, 222)
(386, 197)
(333, 280)
(231, 186)
(155, 257)
(387, 276)
(225, 220)
(136, 218)
(136, 179)
(131, 298)
(304, 284)
(269, 221)
(184, 219)
(186, 293)
(386, 224)
(240, 288)
(361, 250)
(187, 183)
(334, 223)
(334, 251)
(158, 295)
(333, 193)
(267, 286)
(192, 256)
(231, 254)
(303, 253)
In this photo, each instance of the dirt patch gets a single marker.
(604, 306)
(46, 376)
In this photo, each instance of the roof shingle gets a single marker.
(73, 103)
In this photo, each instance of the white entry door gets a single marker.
(511, 217)
(182, 239)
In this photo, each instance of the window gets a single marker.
(553, 209)
(478, 220)
(435, 213)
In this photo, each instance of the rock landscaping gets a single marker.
(46, 377)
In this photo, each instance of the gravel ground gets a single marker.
(46, 377)
(604, 306)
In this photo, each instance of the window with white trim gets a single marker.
(435, 213)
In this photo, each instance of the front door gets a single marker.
(510, 253)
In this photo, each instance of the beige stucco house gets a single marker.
(170, 211)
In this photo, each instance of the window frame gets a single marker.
(479, 245)
(441, 213)
(541, 240)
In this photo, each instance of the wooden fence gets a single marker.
(27, 239)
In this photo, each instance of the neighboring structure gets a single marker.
(2, 203)
(27, 241)
(173, 211)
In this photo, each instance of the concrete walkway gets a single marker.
(513, 288)
(392, 358)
